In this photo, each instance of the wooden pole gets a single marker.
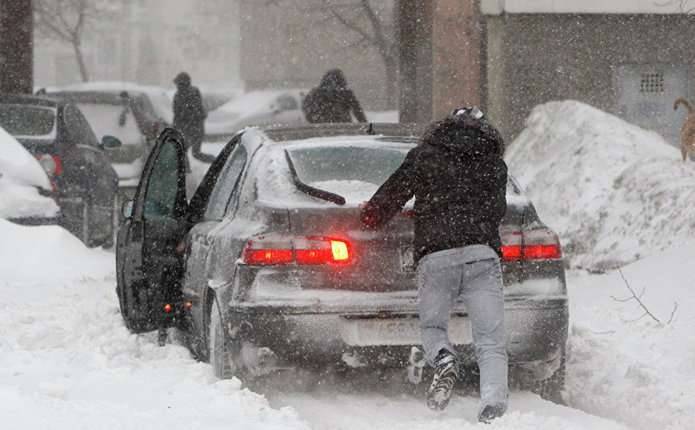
(16, 47)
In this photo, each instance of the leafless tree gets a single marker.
(66, 22)
(370, 28)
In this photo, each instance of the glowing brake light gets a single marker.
(535, 244)
(340, 250)
(303, 251)
(265, 256)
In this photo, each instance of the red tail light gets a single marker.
(303, 251)
(52, 164)
(535, 244)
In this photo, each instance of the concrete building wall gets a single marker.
(533, 59)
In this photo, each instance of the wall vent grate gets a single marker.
(651, 83)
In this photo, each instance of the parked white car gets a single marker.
(25, 190)
(263, 107)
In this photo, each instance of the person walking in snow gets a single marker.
(189, 114)
(332, 101)
(459, 180)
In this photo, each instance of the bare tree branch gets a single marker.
(673, 313)
(638, 299)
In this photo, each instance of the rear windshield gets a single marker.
(352, 170)
(28, 121)
(112, 120)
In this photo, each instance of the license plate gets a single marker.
(397, 331)
(407, 260)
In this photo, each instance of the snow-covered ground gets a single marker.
(625, 365)
(67, 361)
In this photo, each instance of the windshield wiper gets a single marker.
(308, 189)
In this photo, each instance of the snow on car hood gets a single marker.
(18, 165)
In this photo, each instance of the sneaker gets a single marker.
(445, 376)
(490, 412)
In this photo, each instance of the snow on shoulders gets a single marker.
(613, 191)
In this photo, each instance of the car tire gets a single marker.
(552, 388)
(218, 345)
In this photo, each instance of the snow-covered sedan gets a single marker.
(267, 267)
(257, 108)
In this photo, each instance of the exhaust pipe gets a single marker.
(416, 364)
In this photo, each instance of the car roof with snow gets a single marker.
(29, 100)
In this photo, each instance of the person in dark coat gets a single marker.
(332, 101)
(459, 179)
(189, 113)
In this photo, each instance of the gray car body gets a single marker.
(310, 329)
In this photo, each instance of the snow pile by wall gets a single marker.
(613, 191)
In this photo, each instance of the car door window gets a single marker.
(78, 129)
(227, 182)
(161, 195)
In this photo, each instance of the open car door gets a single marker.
(148, 263)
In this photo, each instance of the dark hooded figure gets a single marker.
(332, 101)
(189, 113)
(459, 179)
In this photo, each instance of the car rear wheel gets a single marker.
(551, 389)
(218, 345)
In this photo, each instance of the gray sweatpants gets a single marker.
(473, 276)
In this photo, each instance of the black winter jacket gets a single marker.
(459, 180)
(332, 101)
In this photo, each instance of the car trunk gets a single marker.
(381, 260)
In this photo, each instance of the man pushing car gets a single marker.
(459, 179)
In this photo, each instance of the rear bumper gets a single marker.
(536, 332)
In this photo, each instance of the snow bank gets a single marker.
(629, 367)
(47, 253)
(67, 361)
(613, 191)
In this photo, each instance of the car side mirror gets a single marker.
(110, 142)
(127, 209)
